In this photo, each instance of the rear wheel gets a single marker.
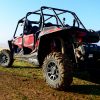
(57, 70)
(6, 59)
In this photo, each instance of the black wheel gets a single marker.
(6, 59)
(57, 71)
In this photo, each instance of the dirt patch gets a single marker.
(23, 81)
(13, 87)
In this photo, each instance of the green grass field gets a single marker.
(24, 81)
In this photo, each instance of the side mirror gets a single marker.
(21, 34)
(76, 23)
(64, 19)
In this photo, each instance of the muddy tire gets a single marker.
(57, 71)
(6, 59)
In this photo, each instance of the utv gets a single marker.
(52, 38)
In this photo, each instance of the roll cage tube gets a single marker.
(42, 14)
(15, 30)
(63, 11)
(20, 21)
(42, 19)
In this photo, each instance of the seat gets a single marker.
(27, 29)
(35, 29)
(48, 24)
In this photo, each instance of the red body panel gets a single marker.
(18, 42)
(48, 31)
(53, 30)
(28, 41)
(80, 36)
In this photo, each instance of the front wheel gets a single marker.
(57, 70)
(6, 58)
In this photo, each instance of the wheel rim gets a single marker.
(3, 59)
(52, 70)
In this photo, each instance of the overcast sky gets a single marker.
(12, 10)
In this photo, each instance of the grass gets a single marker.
(23, 69)
(26, 83)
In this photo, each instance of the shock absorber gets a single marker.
(80, 52)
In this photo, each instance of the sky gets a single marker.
(12, 10)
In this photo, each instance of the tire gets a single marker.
(57, 71)
(6, 59)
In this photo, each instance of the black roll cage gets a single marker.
(42, 14)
